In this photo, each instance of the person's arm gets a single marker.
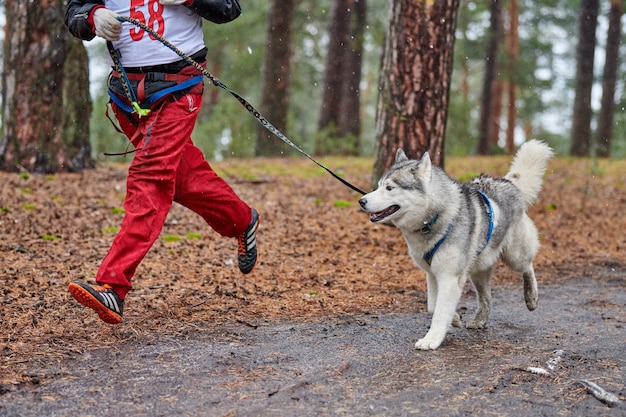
(86, 19)
(79, 18)
(216, 11)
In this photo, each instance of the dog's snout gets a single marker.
(363, 202)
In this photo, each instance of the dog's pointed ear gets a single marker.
(425, 167)
(401, 156)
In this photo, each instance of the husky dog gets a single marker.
(455, 231)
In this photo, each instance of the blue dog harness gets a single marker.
(428, 256)
(490, 215)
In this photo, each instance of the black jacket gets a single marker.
(77, 12)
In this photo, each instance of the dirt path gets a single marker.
(360, 365)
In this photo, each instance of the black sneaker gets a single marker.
(102, 299)
(247, 245)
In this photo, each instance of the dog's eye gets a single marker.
(389, 188)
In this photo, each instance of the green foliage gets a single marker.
(467, 176)
(172, 238)
(110, 229)
(342, 203)
(50, 237)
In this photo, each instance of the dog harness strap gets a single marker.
(428, 226)
(490, 215)
(428, 256)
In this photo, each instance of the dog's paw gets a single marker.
(456, 320)
(477, 324)
(531, 301)
(428, 343)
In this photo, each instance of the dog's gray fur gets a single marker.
(428, 206)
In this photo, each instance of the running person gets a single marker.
(166, 166)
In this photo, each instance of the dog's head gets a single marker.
(401, 194)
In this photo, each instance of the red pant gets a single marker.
(166, 167)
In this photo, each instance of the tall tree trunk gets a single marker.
(414, 83)
(340, 111)
(349, 125)
(486, 123)
(77, 106)
(276, 75)
(581, 119)
(513, 58)
(495, 116)
(35, 50)
(609, 79)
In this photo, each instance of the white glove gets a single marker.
(172, 2)
(107, 25)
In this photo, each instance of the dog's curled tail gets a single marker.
(528, 167)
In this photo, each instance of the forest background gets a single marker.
(544, 73)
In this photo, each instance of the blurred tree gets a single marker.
(585, 52)
(35, 51)
(340, 123)
(415, 81)
(512, 52)
(609, 79)
(77, 105)
(492, 91)
(276, 75)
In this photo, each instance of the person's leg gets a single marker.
(150, 188)
(201, 190)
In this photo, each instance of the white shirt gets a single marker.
(179, 25)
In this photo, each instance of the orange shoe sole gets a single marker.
(85, 298)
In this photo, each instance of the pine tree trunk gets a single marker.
(415, 81)
(581, 119)
(276, 76)
(495, 115)
(35, 51)
(486, 123)
(339, 114)
(609, 79)
(513, 57)
(77, 106)
(349, 126)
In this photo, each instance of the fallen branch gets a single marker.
(535, 370)
(600, 393)
(292, 387)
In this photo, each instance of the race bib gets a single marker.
(179, 25)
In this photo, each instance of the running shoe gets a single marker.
(101, 299)
(247, 245)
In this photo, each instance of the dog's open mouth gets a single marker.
(381, 215)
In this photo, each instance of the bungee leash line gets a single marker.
(251, 109)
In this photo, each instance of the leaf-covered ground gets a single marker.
(319, 255)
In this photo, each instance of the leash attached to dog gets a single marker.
(263, 121)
